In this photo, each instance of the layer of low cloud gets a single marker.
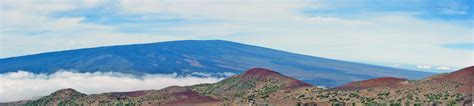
(204, 74)
(23, 85)
(444, 68)
(423, 66)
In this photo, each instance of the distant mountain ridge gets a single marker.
(205, 56)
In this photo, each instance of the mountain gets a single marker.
(165, 96)
(172, 95)
(461, 81)
(465, 77)
(254, 83)
(213, 57)
(63, 96)
(449, 89)
(266, 87)
(454, 87)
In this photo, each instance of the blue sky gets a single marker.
(429, 35)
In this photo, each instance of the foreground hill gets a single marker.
(451, 88)
(63, 96)
(465, 77)
(255, 83)
(371, 83)
(263, 86)
(206, 56)
(166, 96)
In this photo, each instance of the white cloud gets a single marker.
(423, 66)
(205, 74)
(24, 85)
(247, 10)
(396, 65)
(444, 68)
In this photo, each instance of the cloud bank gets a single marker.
(23, 85)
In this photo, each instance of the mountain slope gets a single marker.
(448, 89)
(377, 82)
(461, 81)
(63, 96)
(254, 83)
(465, 77)
(206, 56)
(455, 87)
(166, 96)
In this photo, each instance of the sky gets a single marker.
(427, 35)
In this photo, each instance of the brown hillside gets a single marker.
(254, 83)
(371, 83)
(464, 76)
